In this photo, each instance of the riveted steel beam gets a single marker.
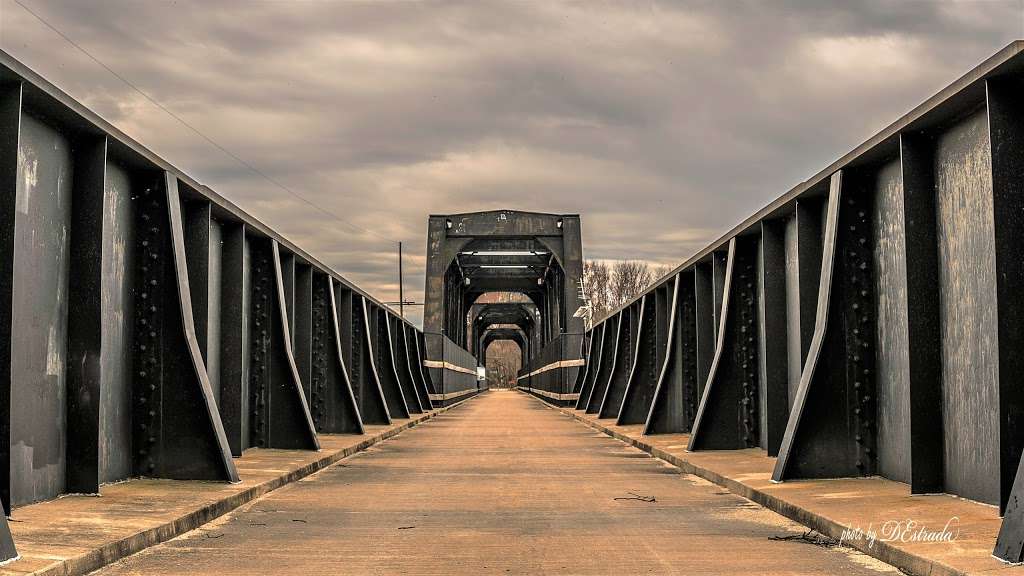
(639, 392)
(727, 415)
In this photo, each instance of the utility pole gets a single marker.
(401, 284)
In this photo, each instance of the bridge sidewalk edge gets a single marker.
(901, 559)
(114, 551)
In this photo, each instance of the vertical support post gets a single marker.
(643, 375)
(621, 367)
(817, 443)
(339, 402)
(290, 423)
(809, 265)
(774, 369)
(704, 320)
(280, 412)
(593, 365)
(612, 335)
(412, 365)
(1005, 117)
(727, 415)
(177, 458)
(196, 222)
(10, 127)
(234, 330)
(85, 319)
(385, 364)
(375, 405)
(402, 377)
(666, 411)
(923, 331)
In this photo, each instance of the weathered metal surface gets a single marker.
(967, 298)
(704, 321)
(233, 401)
(468, 255)
(215, 309)
(414, 365)
(176, 434)
(796, 428)
(421, 359)
(385, 364)
(134, 300)
(892, 362)
(366, 383)
(401, 368)
(728, 413)
(625, 356)
(643, 376)
(10, 122)
(39, 344)
(908, 368)
(117, 302)
(281, 417)
(594, 361)
(610, 356)
(335, 409)
(665, 408)
(911, 370)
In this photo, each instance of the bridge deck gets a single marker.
(499, 485)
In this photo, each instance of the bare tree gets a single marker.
(629, 279)
(597, 288)
(608, 286)
(503, 360)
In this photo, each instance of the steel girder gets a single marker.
(866, 322)
(175, 331)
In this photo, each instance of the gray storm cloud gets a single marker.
(662, 124)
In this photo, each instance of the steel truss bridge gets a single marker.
(865, 323)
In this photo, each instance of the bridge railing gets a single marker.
(552, 372)
(452, 368)
(867, 322)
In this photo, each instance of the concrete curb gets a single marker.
(119, 549)
(884, 551)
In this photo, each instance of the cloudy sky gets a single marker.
(661, 124)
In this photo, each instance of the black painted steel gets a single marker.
(175, 330)
(625, 350)
(643, 377)
(727, 417)
(85, 320)
(773, 367)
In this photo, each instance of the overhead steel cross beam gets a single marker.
(512, 334)
(524, 316)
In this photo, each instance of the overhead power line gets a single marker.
(198, 132)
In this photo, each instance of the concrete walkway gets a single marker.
(499, 485)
